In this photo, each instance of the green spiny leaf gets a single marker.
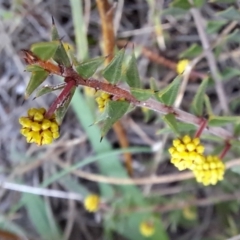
(132, 75)
(44, 50)
(199, 3)
(233, 37)
(174, 11)
(215, 26)
(169, 93)
(38, 212)
(230, 13)
(34, 68)
(115, 110)
(181, 126)
(181, 4)
(229, 73)
(37, 78)
(61, 56)
(47, 89)
(198, 101)
(54, 32)
(171, 121)
(113, 72)
(222, 120)
(208, 105)
(87, 68)
(61, 111)
(191, 52)
(142, 94)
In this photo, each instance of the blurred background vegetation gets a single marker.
(42, 188)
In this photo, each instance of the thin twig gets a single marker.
(106, 15)
(168, 178)
(41, 191)
(210, 58)
(69, 73)
(185, 204)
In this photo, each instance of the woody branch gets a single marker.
(119, 92)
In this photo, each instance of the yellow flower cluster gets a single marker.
(102, 101)
(210, 172)
(91, 202)
(186, 153)
(38, 129)
(147, 229)
(181, 66)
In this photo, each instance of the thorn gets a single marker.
(91, 125)
(34, 98)
(23, 101)
(53, 21)
(61, 38)
(132, 47)
(126, 44)
(101, 139)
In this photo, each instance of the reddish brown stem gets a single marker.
(225, 150)
(119, 92)
(202, 126)
(61, 98)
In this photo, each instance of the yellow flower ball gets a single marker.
(102, 101)
(210, 171)
(91, 202)
(37, 129)
(147, 229)
(181, 66)
(186, 152)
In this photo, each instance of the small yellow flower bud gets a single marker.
(25, 122)
(147, 229)
(38, 129)
(36, 126)
(38, 116)
(46, 124)
(91, 203)
(182, 65)
(186, 139)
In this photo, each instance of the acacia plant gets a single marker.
(56, 58)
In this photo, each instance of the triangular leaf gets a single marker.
(87, 68)
(199, 3)
(215, 26)
(44, 50)
(181, 4)
(54, 32)
(233, 37)
(181, 126)
(47, 89)
(169, 93)
(33, 68)
(37, 78)
(191, 52)
(171, 121)
(132, 75)
(115, 110)
(61, 110)
(230, 13)
(229, 73)
(142, 94)
(222, 120)
(40, 216)
(208, 105)
(197, 103)
(174, 11)
(61, 56)
(113, 72)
